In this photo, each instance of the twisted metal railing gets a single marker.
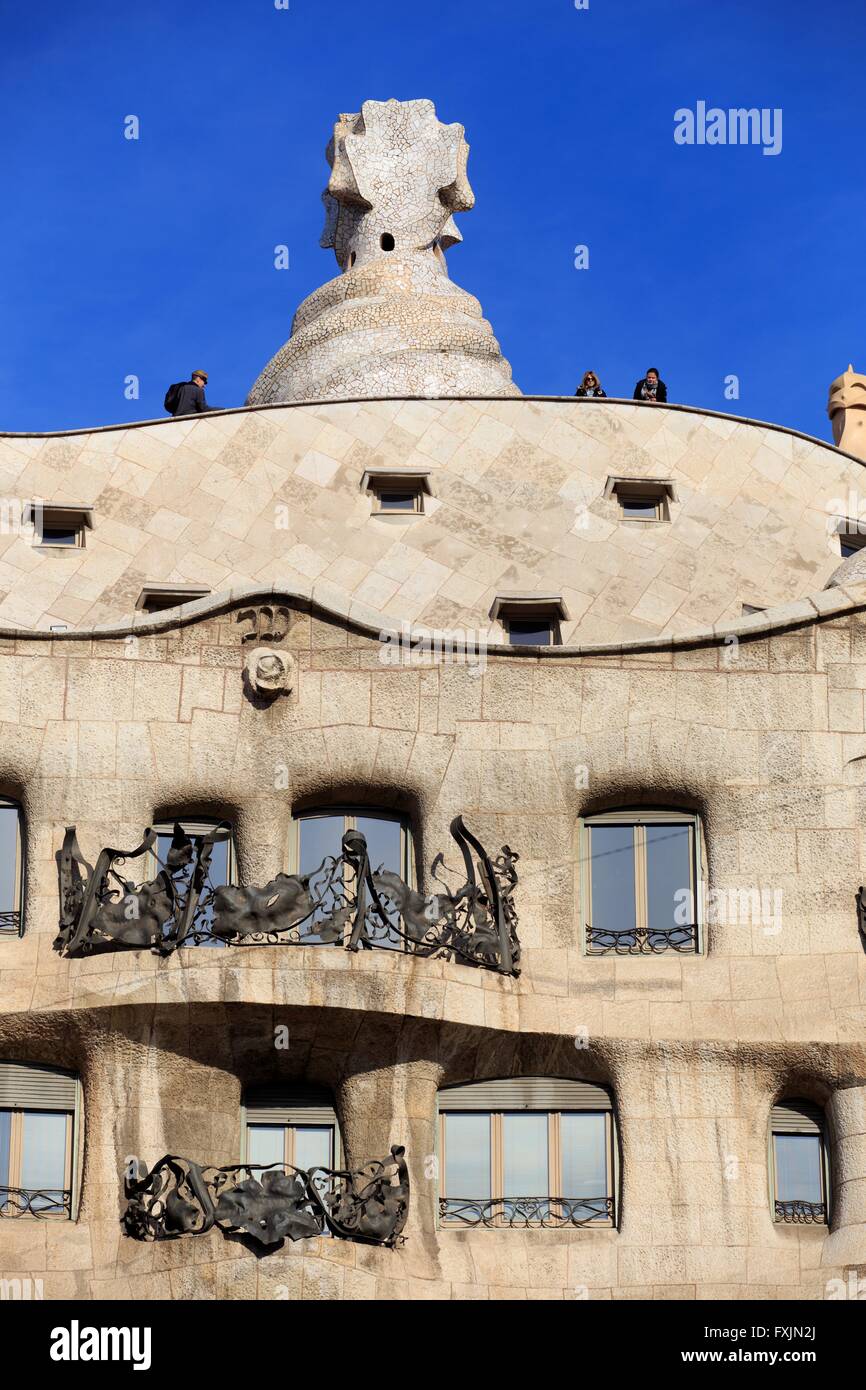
(802, 1213)
(642, 941)
(344, 902)
(526, 1212)
(10, 923)
(31, 1201)
(269, 1203)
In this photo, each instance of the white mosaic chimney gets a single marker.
(392, 324)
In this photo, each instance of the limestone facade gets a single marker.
(764, 736)
(518, 502)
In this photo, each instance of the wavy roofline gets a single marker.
(579, 401)
(327, 600)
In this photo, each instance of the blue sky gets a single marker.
(153, 256)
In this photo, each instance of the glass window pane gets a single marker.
(467, 1160)
(397, 501)
(5, 1136)
(669, 881)
(314, 1146)
(583, 1139)
(266, 1143)
(612, 869)
(643, 508)
(525, 1155)
(319, 837)
(60, 535)
(319, 841)
(798, 1168)
(534, 632)
(384, 836)
(8, 868)
(43, 1157)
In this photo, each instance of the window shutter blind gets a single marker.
(797, 1117)
(290, 1105)
(32, 1086)
(526, 1093)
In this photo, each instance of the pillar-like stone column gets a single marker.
(846, 1244)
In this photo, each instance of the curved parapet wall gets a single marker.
(518, 499)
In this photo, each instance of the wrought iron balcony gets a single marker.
(525, 1212)
(642, 941)
(31, 1201)
(344, 902)
(269, 1203)
(802, 1213)
(10, 923)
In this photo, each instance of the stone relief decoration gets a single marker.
(393, 323)
(345, 902)
(269, 1203)
(268, 672)
(267, 623)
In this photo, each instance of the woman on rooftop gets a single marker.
(590, 386)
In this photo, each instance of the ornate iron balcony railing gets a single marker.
(802, 1213)
(525, 1211)
(10, 923)
(269, 1203)
(642, 941)
(31, 1201)
(344, 902)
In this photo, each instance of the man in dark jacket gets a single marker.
(190, 398)
(651, 387)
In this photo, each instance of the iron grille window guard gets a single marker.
(525, 1212)
(10, 923)
(31, 1201)
(367, 907)
(802, 1213)
(269, 1203)
(641, 941)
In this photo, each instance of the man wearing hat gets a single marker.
(187, 397)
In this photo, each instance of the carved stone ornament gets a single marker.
(269, 672)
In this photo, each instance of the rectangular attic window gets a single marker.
(642, 499)
(59, 526)
(155, 598)
(530, 620)
(396, 493)
(852, 537)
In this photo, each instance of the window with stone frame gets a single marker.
(316, 842)
(293, 1125)
(11, 868)
(641, 882)
(38, 1109)
(799, 1164)
(526, 1152)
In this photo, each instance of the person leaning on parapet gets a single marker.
(187, 397)
(590, 386)
(651, 387)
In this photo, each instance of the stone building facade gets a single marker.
(286, 694)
